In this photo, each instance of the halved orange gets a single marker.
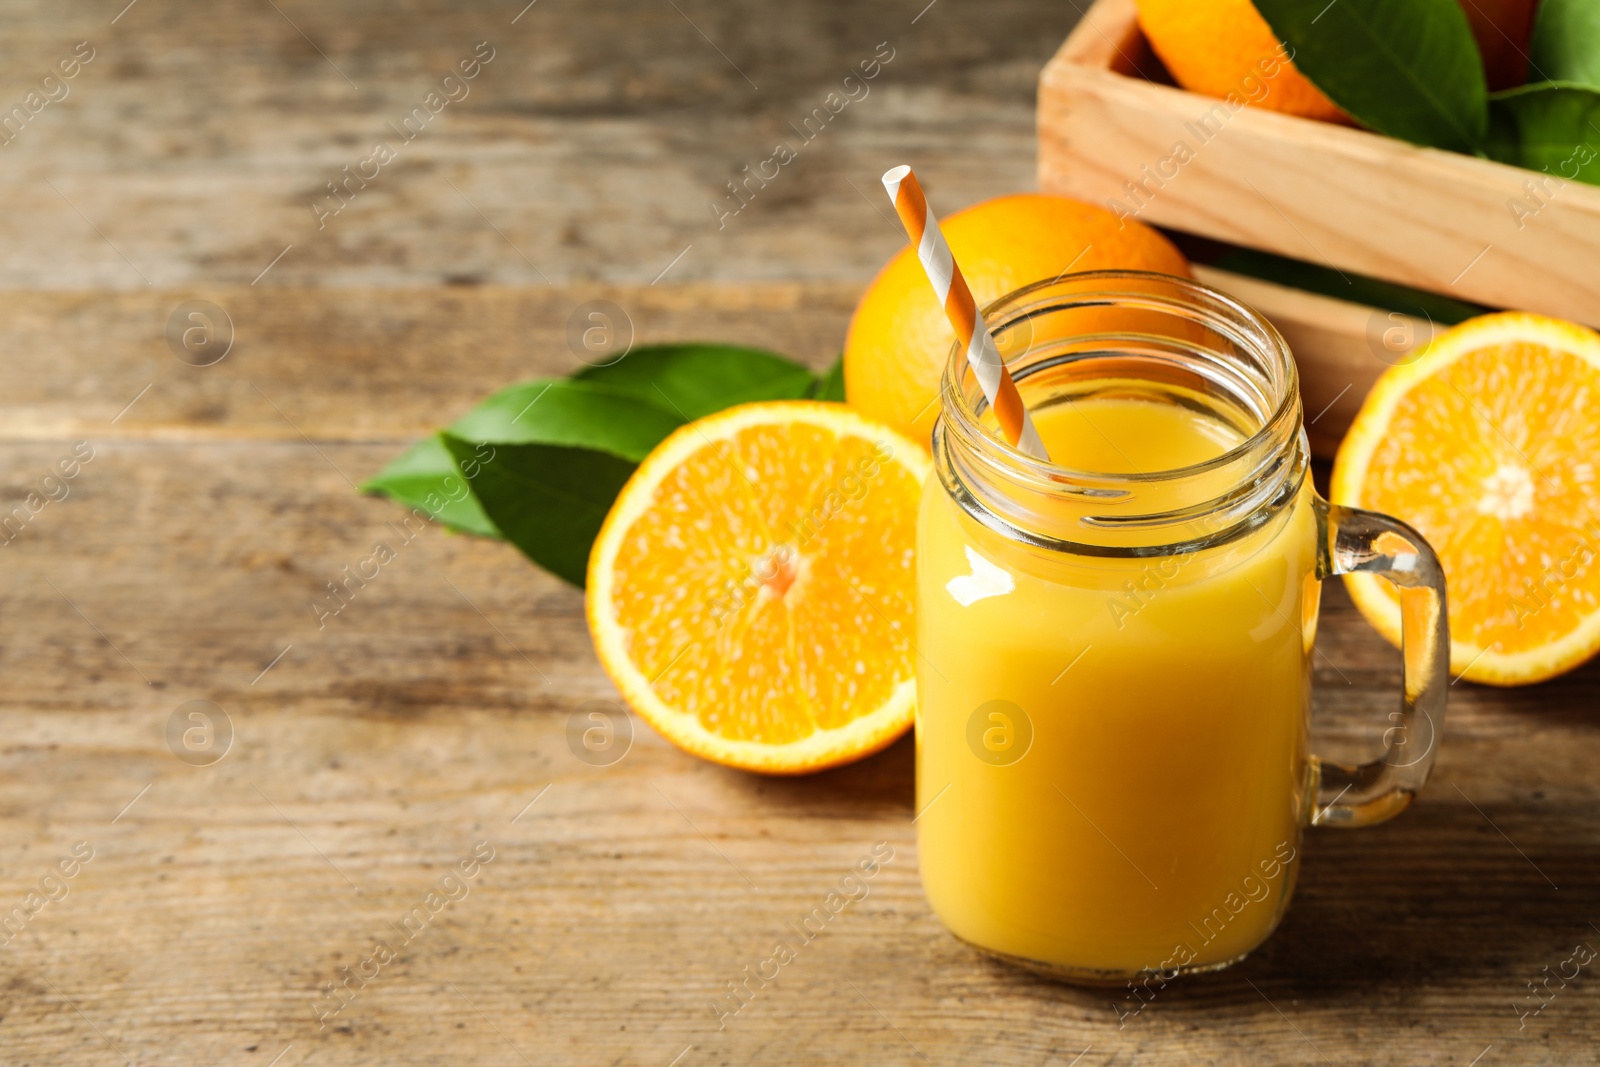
(1487, 443)
(752, 591)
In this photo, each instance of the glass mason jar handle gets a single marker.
(1352, 541)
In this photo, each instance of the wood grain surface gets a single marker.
(431, 716)
(589, 148)
(434, 709)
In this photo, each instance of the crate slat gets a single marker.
(1335, 346)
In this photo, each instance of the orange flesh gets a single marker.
(1507, 493)
(769, 589)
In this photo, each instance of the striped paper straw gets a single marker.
(962, 311)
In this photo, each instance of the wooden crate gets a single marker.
(1327, 194)
(1333, 345)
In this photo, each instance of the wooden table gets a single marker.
(370, 756)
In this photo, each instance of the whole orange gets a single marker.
(1502, 28)
(899, 339)
(1224, 47)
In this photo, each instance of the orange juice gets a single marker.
(1114, 644)
(1112, 754)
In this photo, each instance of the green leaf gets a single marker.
(831, 385)
(555, 411)
(425, 476)
(1566, 42)
(694, 380)
(1406, 68)
(547, 411)
(1551, 128)
(548, 500)
(575, 440)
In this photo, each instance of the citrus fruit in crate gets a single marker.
(899, 338)
(752, 590)
(1502, 29)
(1487, 443)
(1224, 47)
